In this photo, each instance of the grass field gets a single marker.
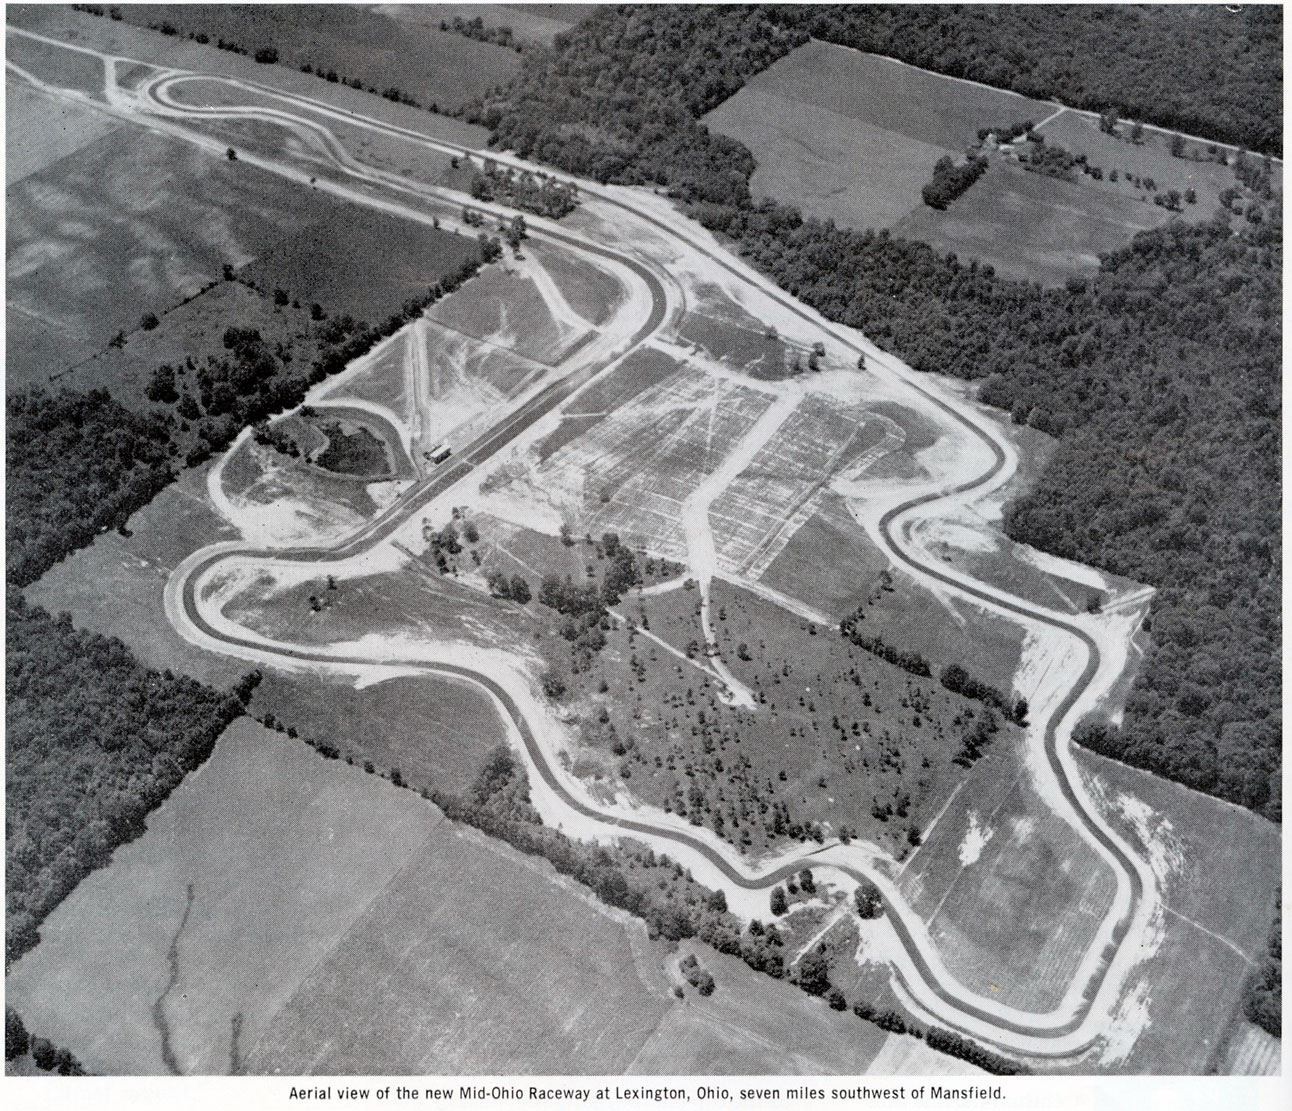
(1020, 916)
(1151, 157)
(832, 565)
(115, 586)
(437, 732)
(753, 1025)
(853, 137)
(40, 129)
(870, 753)
(430, 65)
(89, 252)
(56, 65)
(593, 294)
(382, 381)
(436, 978)
(1032, 227)
(366, 265)
(506, 309)
(247, 877)
(829, 561)
(1220, 868)
(192, 330)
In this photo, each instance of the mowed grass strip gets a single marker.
(273, 851)
(475, 962)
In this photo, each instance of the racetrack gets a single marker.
(1076, 1024)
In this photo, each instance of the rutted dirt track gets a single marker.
(1076, 1024)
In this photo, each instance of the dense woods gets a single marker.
(94, 742)
(619, 98)
(1201, 69)
(1160, 374)
(76, 464)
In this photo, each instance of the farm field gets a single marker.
(1032, 227)
(432, 66)
(247, 876)
(88, 252)
(367, 265)
(31, 143)
(753, 1025)
(436, 731)
(836, 166)
(435, 978)
(115, 586)
(894, 122)
(1219, 868)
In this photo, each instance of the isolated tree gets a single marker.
(779, 904)
(1177, 146)
(1108, 121)
(1137, 132)
(520, 589)
(807, 882)
(870, 903)
(231, 155)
